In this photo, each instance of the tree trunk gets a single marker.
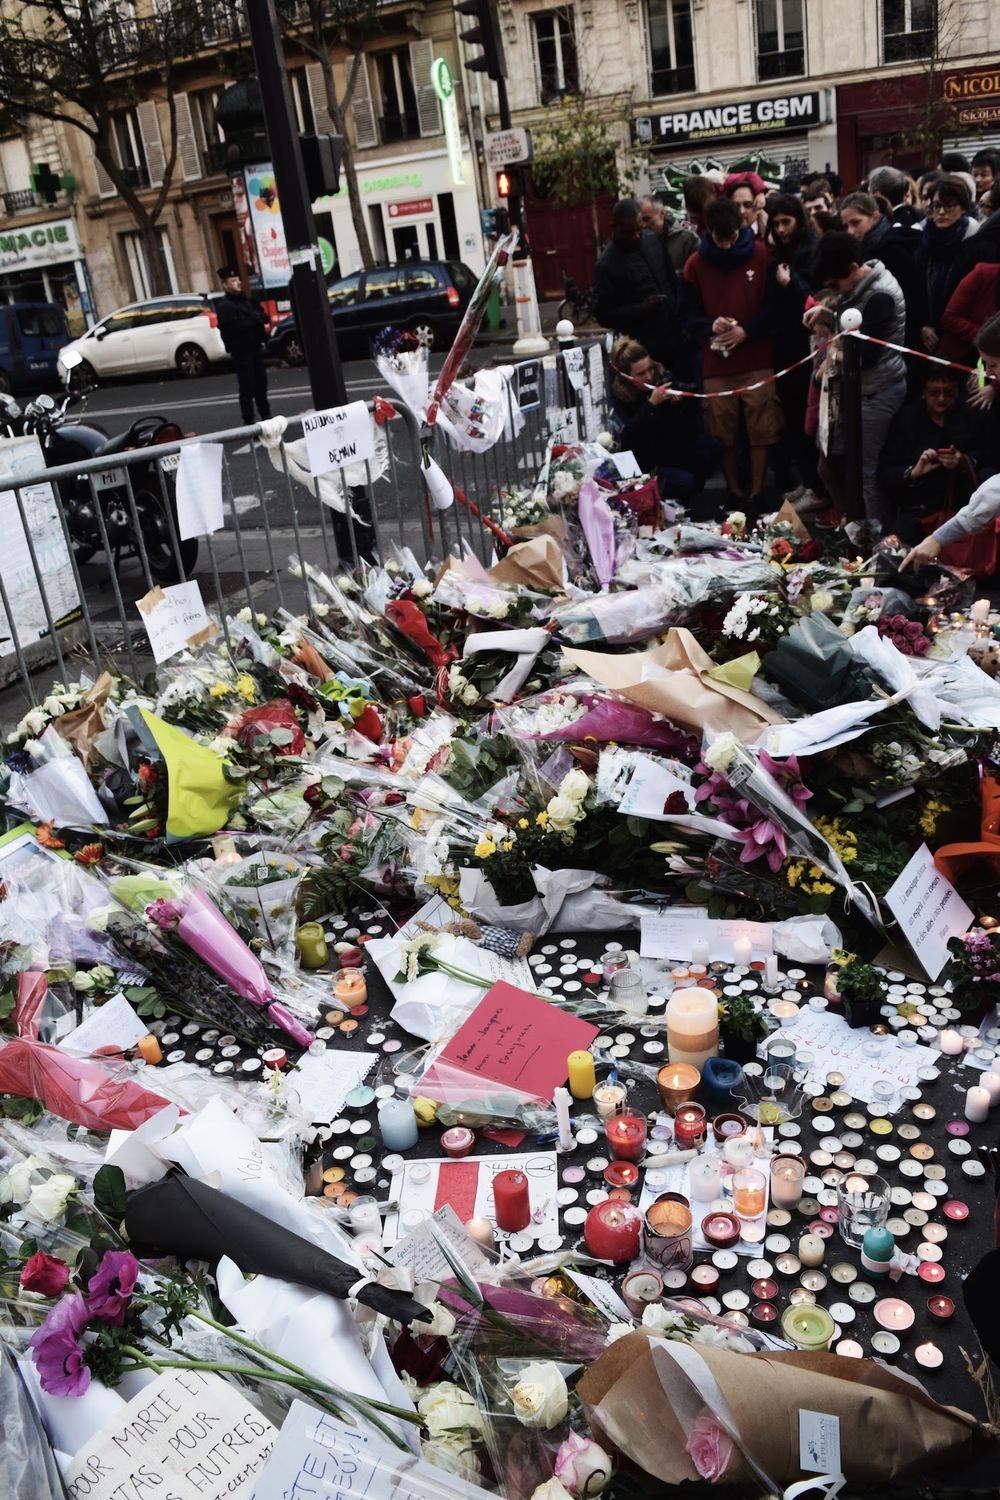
(337, 114)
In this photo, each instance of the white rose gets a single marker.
(618, 1331)
(661, 1319)
(582, 1465)
(721, 753)
(441, 1325)
(421, 588)
(540, 1398)
(15, 1187)
(499, 608)
(551, 1490)
(53, 706)
(447, 1409)
(563, 813)
(737, 520)
(48, 1200)
(847, 628)
(470, 694)
(456, 679)
(34, 722)
(455, 1455)
(575, 785)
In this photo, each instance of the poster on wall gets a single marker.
(264, 210)
(245, 229)
(27, 622)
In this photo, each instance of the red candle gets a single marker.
(705, 1278)
(621, 1174)
(930, 1270)
(511, 1202)
(765, 1290)
(689, 1126)
(941, 1308)
(612, 1231)
(458, 1141)
(626, 1136)
(955, 1210)
(724, 1126)
(721, 1230)
(764, 1313)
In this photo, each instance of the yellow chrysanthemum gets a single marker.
(485, 848)
(218, 690)
(542, 819)
(246, 687)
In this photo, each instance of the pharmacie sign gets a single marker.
(719, 122)
(39, 245)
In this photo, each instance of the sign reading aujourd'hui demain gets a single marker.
(718, 122)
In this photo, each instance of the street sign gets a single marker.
(509, 147)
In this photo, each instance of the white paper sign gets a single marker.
(819, 1442)
(340, 436)
(650, 785)
(595, 370)
(836, 1048)
(323, 1080)
(199, 490)
(627, 465)
(187, 1436)
(420, 1251)
(114, 1024)
(671, 934)
(172, 617)
(418, 1190)
(573, 363)
(591, 421)
(929, 910)
(563, 426)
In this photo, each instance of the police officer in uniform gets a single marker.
(243, 328)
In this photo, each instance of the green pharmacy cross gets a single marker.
(48, 184)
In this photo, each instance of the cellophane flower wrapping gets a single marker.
(471, 319)
(95, 1095)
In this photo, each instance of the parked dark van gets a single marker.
(31, 335)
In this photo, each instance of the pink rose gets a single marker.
(709, 1449)
(922, 646)
(913, 629)
(898, 622)
(582, 1465)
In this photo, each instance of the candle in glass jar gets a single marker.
(677, 1082)
(608, 1099)
(351, 989)
(704, 1179)
(580, 1066)
(689, 1126)
(749, 1192)
(692, 1026)
(787, 1173)
(977, 1105)
(626, 1136)
(512, 1206)
(808, 1327)
(612, 1231)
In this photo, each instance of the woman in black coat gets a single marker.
(792, 243)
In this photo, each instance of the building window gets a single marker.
(129, 148)
(301, 102)
(135, 259)
(908, 29)
(781, 39)
(671, 47)
(397, 99)
(209, 136)
(555, 54)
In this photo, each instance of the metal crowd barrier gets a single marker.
(275, 527)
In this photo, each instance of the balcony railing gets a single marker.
(20, 201)
(136, 177)
(668, 80)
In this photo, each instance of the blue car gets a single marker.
(31, 335)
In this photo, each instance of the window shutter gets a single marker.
(428, 109)
(187, 147)
(317, 99)
(362, 111)
(152, 141)
(105, 187)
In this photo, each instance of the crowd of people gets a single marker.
(750, 282)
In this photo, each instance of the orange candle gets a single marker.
(149, 1050)
(351, 989)
(749, 1192)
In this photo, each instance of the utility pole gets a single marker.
(308, 288)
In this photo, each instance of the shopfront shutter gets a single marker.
(188, 159)
(362, 110)
(152, 141)
(428, 109)
(317, 100)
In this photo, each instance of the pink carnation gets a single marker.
(709, 1449)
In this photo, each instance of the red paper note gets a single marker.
(512, 1040)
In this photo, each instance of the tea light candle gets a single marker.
(950, 1043)
(742, 950)
(621, 1174)
(977, 1105)
(677, 1083)
(812, 1249)
(639, 1289)
(705, 1279)
(725, 1127)
(512, 1205)
(397, 1124)
(689, 1125)
(481, 1230)
(807, 1327)
(608, 1099)
(582, 1079)
(940, 1307)
(928, 1356)
(787, 1175)
(893, 1314)
(458, 1141)
(626, 1136)
(350, 989)
(692, 1026)
(612, 1232)
(783, 1011)
(704, 1179)
(311, 945)
(721, 1230)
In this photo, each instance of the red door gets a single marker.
(562, 241)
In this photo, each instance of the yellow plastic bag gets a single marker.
(199, 796)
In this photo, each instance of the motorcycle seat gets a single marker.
(117, 444)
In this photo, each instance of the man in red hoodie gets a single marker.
(729, 281)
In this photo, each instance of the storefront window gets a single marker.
(908, 29)
(781, 51)
(671, 46)
(555, 54)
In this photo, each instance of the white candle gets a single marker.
(742, 950)
(692, 1026)
(950, 1043)
(812, 1248)
(977, 1105)
(738, 1150)
(991, 1083)
(481, 1230)
(561, 1101)
(704, 1179)
(699, 952)
(607, 1097)
(981, 612)
(771, 971)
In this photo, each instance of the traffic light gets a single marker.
(504, 183)
(321, 158)
(485, 33)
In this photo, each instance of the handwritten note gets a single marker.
(627, 464)
(187, 1436)
(114, 1025)
(467, 1186)
(929, 910)
(836, 1048)
(339, 436)
(573, 365)
(650, 784)
(322, 1081)
(199, 490)
(420, 1251)
(513, 1040)
(671, 934)
(174, 618)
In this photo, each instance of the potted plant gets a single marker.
(862, 990)
(741, 1027)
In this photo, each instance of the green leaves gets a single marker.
(109, 1194)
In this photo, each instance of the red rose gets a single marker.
(44, 1273)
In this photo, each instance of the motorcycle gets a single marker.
(147, 523)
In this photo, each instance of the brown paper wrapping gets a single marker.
(465, 567)
(537, 564)
(682, 690)
(82, 725)
(889, 1427)
(551, 526)
(790, 514)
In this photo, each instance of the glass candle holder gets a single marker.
(749, 1192)
(704, 1179)
(689, 1126)
(862, 1204)
(787, 1174)
(608, 1099)
(626, 1136)
(668, 1236)
(612, 960)
(628, 992)
(677, 1083)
